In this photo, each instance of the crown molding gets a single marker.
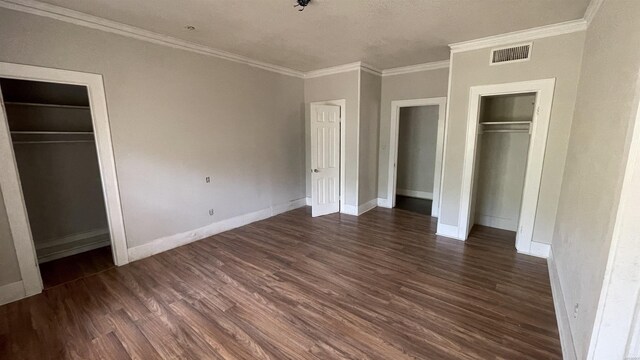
(521, 36)
(78, 18)
(593, 8)
(416, 68)
(370, 69)
(342, 69)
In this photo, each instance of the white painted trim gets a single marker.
(562, 317)
(72, 238)
(349, 210)
(521, 36)
(342, 103)
(415, 194)
(98, 243)
(537, 249)
(308, 201)
(357, 190)
(370, 69)
(537, 146)
(592, 10)
(448, 231)
(496, 222)
(10, 180)
(94, 22)
(385, 203)
(11, 292)
(444, 143)
(369, 205)
(416, 68)
(396, 105)
(173, 241)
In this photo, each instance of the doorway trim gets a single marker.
(342, 103)
(10, 179)
(544, 90)
(396, 105)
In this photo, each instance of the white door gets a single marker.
(325, 159)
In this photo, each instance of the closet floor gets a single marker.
(420, 206)
(76, 267)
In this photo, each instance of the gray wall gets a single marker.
(418, 85)
(336, 87)
(600, 134)
(370, 87)
(555, 57)
(177, 117)
(417, 143)
(9, 270)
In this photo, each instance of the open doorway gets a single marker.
(58, 182)
(417, 144)
(415, 161)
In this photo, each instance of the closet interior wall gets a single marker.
(501, 160)
(53, 141)
(417, 145)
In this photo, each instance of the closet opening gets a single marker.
(502, 152)
(52, 135)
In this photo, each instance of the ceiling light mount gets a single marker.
(302, 4)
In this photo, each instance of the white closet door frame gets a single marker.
(10, 179)
(535, 159)
(394, 127)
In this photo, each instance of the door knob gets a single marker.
(316, 170)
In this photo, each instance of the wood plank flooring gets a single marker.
(76, 266)
(378, 286)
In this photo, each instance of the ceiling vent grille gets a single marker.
(511, 54)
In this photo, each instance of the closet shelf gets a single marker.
(83, 107)
(52, 132)
(505, 122)
(53, 142)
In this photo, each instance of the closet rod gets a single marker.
(84, 107)
(52, 132)
(53, 142)
(504, 122)
(505, 131)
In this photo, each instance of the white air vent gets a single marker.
(511, 54)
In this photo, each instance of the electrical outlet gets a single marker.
(575, 310)
(211, 212)
(207, 179)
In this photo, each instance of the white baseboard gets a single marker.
(538, 249)
(448, 231)
(415, 194)
(371, 204)
(349, 210)
(308, 201)
(11, 292)
(562, 317)
(72, 244)
(173, 241)
(385, 203)
(497, 222)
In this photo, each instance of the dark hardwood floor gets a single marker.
(379, 286)
(75, 267)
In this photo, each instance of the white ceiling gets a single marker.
(383, 33)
